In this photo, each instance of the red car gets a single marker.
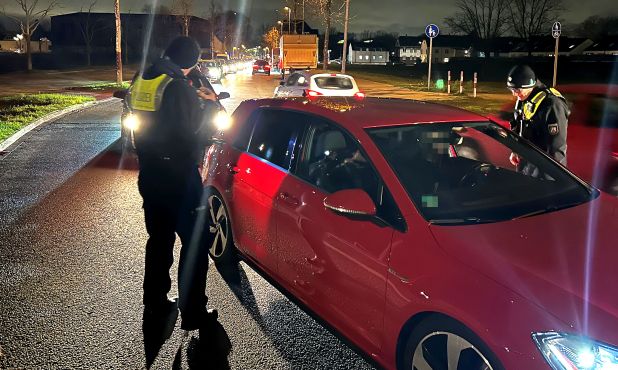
(404, 226)
(261, 66)
(592, 150)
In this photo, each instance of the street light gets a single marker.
(289, 19)
(281, 25)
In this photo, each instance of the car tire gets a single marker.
(219, 237)
(428, 345)
(268, 74)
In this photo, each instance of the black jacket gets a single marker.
(181, 128)
(547, 128)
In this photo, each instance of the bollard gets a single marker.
(474, 85)
(448, 84)
(461, 82)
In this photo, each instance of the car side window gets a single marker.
(275, 136)
(333, 161)
(241, 141)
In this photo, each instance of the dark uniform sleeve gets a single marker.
(556, 121)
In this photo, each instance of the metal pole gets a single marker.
(474, 85)
(461, 82)
(555, 62)
(448, 86)
(429, 74)
(289, 21)
(118, 43)
(345, 36)
(303, 32)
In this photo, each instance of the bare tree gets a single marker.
(271, 38)
(327, 12)
(530, 18)
(118, 42)
(183, 9)
(30, 19)
(88, 28)
(484, 19)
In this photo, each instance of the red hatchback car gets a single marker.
(405, 228)
(592, 143)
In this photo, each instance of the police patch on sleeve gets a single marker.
(553, 129)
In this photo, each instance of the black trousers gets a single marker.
(174, 203)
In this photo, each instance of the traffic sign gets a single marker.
(432, 31)
(556, 30)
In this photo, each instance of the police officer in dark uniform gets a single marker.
(174, 128)
(541, 116)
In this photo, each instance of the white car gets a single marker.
(323, 84)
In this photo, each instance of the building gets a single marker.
(141, 33)
(15, 45)
(367, 53)
(545, 46)
(409, 49)
(606, 46)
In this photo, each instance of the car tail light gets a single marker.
(359, 95)
(255, 66)
(615, 154)
(313, 93)
(266, 67)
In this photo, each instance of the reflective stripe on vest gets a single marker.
(146, 95)
(531, 107)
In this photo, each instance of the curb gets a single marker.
(46, 118)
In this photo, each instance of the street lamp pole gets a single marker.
(345, 36)
(303, 27)
(281, 27)
(289, 19)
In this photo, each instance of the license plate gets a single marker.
(261, 70)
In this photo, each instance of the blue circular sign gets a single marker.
(432, 31)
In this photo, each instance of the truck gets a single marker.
(299, 51)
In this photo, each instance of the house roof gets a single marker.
(609, 43)
(364, 46)
(409, 41)
(548, 44)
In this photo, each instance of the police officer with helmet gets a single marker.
(175, 126)
(541, 116)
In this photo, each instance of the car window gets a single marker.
(243, 135)
(261, 63)
(334, 83)
(463, 172)
(292, 79)
(332, 160)
(275, 135)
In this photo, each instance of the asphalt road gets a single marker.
(72, 242)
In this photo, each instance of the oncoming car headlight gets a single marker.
(130, 122)
(222, 121)
(571, 352)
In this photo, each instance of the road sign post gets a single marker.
(556, 30)
(431, 31)
(461, 82)
(448, 89)
(474, 83)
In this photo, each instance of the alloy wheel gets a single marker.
(218, 226)
(448, 351)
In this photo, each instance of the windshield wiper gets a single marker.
(454, 221)
(549, 208)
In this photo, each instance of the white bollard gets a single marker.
(461, 82)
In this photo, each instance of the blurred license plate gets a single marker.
(261, 70)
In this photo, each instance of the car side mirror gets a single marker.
(351, 202)
(223, 95)
(120, 94)
(281, 83)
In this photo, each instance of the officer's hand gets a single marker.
(515, 160)
(206, 94)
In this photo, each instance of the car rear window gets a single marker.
(261, 63)
(334, 83)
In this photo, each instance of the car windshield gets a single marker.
(458, 173)
(334, 83)
(261, 63)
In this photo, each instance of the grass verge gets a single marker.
(102, 86)
(18, 111)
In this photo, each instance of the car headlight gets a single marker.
(131, 122)
(572, 352)
(222, 121)
(215, 73)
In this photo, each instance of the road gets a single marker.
(72, 242)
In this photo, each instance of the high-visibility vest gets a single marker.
(146, 95)
(530, 107)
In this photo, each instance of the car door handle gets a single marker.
(290, 200)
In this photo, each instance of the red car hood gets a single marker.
(565, 262)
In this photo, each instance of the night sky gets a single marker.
(401, 16)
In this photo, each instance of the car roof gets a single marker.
(594, 89)
(371, 112)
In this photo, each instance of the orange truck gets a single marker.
(299, 51)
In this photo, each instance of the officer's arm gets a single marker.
(183, 101)
(556, 120)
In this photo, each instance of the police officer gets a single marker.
(541, 115)
(174, 128)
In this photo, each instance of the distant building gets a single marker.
(137, 30)
(42, 45)
(545, 46)
(366, 53)
(409, 49)
(606, 46)
(414, 49)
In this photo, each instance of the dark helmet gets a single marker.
(183, 51)
(521, 76)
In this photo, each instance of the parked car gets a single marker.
(261, 66)
(304, 83)
(592, 150)
(404, 226)
(129, 122)
(212, 69)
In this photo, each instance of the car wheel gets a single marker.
(443, 343)
(221, 245)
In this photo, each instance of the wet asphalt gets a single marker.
(72, 242)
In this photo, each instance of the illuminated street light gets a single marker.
(287, 9)
(280, 24)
